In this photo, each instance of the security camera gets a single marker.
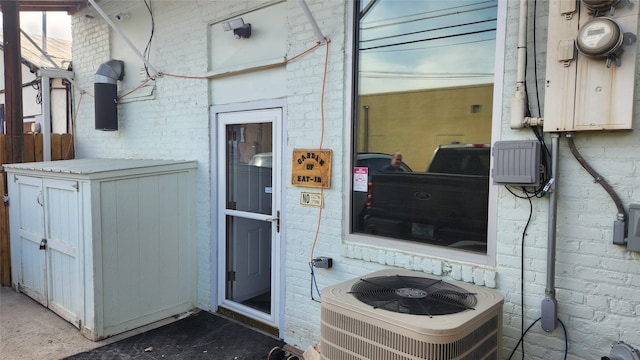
(122, 16)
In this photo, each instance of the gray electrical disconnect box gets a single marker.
(516, 163)
(633, 240)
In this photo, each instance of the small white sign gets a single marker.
(311, 199)
(360, 178)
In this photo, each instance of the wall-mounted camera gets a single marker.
(240, 29)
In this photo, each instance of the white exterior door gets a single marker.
(63, 260)
(249, 212)
(48, 226)
(30, 271)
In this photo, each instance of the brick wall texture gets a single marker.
(597, 283)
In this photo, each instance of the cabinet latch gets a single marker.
(43, 244)
(5, 199)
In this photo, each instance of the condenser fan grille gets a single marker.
(413, 295)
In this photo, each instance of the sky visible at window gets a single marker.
(419, 44)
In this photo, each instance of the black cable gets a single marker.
(522, 338)
(312, 283)
(453, 13)
(566, 339)
(429, 30)
(429, 39)
(147, 49)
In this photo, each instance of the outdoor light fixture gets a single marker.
(240, 29)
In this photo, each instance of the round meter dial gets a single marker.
(600, 37)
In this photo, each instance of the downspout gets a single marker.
(106, 94)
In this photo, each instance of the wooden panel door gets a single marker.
(45, 217)
(27, 217)
(63, 255)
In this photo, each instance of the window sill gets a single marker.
(457, 265)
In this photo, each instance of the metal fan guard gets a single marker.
(413, 295)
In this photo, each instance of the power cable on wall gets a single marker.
(315, 239)
(147, 49)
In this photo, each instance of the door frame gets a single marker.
(218, 193)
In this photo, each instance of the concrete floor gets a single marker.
(29, 331)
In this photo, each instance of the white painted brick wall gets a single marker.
(597, 283)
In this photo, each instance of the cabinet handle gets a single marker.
(39, 200)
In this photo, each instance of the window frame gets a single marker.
(401, 246)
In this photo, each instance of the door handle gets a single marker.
(276, 220)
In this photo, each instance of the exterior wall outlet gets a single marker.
(323, 262)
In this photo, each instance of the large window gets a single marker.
(422, 121)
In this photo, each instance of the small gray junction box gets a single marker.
(516, 163)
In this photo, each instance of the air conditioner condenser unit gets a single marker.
(399, 314)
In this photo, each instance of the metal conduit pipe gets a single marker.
(619, 225)
(106, 94)
(549, 317)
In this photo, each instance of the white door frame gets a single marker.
(218, 212)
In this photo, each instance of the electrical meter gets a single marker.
(598, 5)
(600, 37)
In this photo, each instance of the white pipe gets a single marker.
(45, 76)
(519, 99)
(124, 37)
(312, 21)
(46, 118)
(44, 31)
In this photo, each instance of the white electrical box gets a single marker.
(591, 66)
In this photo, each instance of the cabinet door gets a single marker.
(64, 261)
(28, 226)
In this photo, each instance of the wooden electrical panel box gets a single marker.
(589, 91)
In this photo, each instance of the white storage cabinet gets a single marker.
(108, 244)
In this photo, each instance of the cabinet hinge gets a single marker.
(5, 200)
